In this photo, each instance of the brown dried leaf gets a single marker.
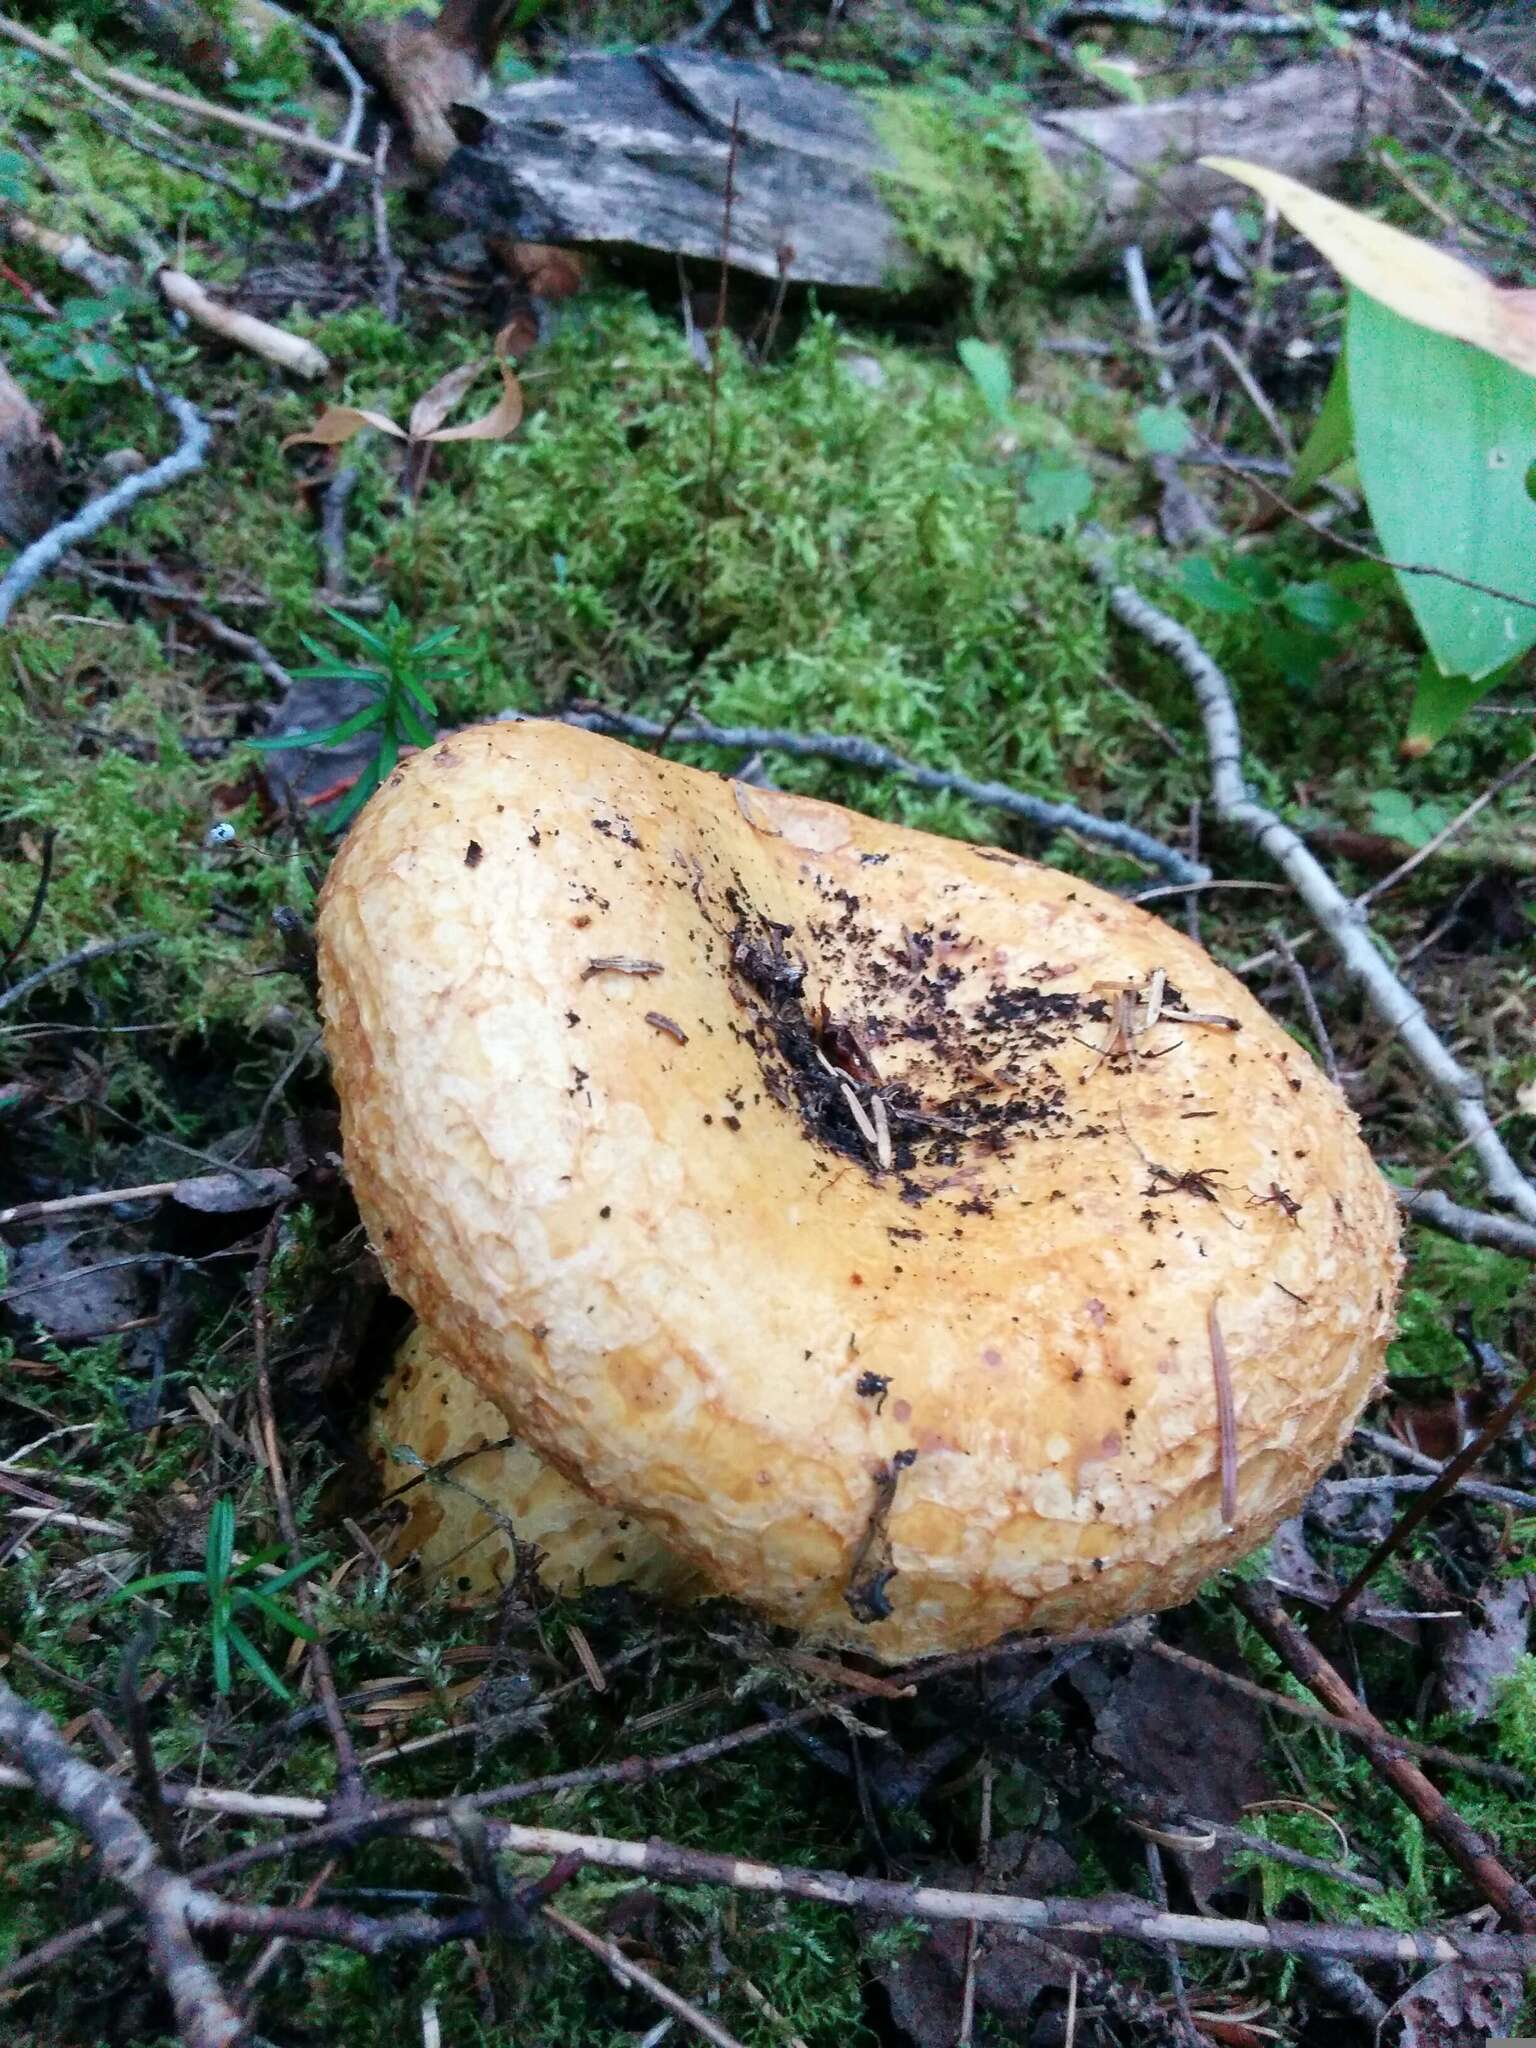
(504, 417)
(434, 406)
(547, 271)
(339, 423)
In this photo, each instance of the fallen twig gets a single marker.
(186, 103)
(628, 1971)
(855, 752)
(242, 330)
(88, 1798)
(29, 923)
(1234, 802)
(1468, 1226)
(1468, 1849)
(100, 949)
(1375, 25)
(1444, 1483)
(73, 254)
(33, 563)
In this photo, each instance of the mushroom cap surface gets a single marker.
(879, 1217)
(459, 1522)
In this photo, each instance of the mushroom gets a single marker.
(920, 1242)
(466, 1490)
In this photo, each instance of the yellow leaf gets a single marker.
(1424, 284)
(504, 417)
(339, 423)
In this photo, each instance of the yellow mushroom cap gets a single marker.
(461, 1512)
(881, 1219)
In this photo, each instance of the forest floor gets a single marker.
(819, 525)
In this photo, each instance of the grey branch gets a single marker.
(855, 752)
(1344, 924)
(1470, 1226)
(1375, 25)
(102, 949)
(35, 562)
(88, 1798)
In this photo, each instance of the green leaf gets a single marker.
(221, 1540)
(992, 375)
(414, 729)
(1164, 429)
(281, 1581)
(1443, 436)
(364, 635)
(1320, 605)
(221, 1671)
(1395, 814)
(1203, 583)
(347, 807)
(155, 1583)
(1332, 435)
(1058, 495)
(1441, 702)
(283, 1616)
(327, 735)
(253, 1657)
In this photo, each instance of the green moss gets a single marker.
(971, 189)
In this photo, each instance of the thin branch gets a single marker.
(35, 562)
(1448, 832)
(1475, 1448)
(39, 898)
(1469, 1850)
(1376, 26)
(628, 1971)
(1234, 802)
(101, 949)
(1301, 981)
(1468, 1226)
(852, 751)
(89, 1799)
(186, 103)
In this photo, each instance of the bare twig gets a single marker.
(852, 751)
(39, 898)
(1301, 981)
(100, 949)
(1469, 1454)
(390, 267)
(1375, 25)
(241, 330)
(89, 1799)
(35, 562)
(1468, 1226)
(628, 1971)
(1448, 832)
(1345, 926)
(1469, 1850)
(186, 103)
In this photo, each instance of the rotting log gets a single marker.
(868, 194)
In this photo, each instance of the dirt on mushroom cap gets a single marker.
(927, 1115)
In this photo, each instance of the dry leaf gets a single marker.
(548, 272)
(504, 417)
(434, 406)
(339, 423)
(1422, 283)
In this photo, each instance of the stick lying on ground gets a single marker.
(1350, 935)
(855, 752)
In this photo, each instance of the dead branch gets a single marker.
(29, 466)
(88, 1798)
(186, 103)
(1376, 26)
(242, 330)
(35, 562)
(1234, 802)
(1468, 1226)
(1444, 1482)
(855, 752)
(628, 1971)
(1462, 1843)
(72, 253)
